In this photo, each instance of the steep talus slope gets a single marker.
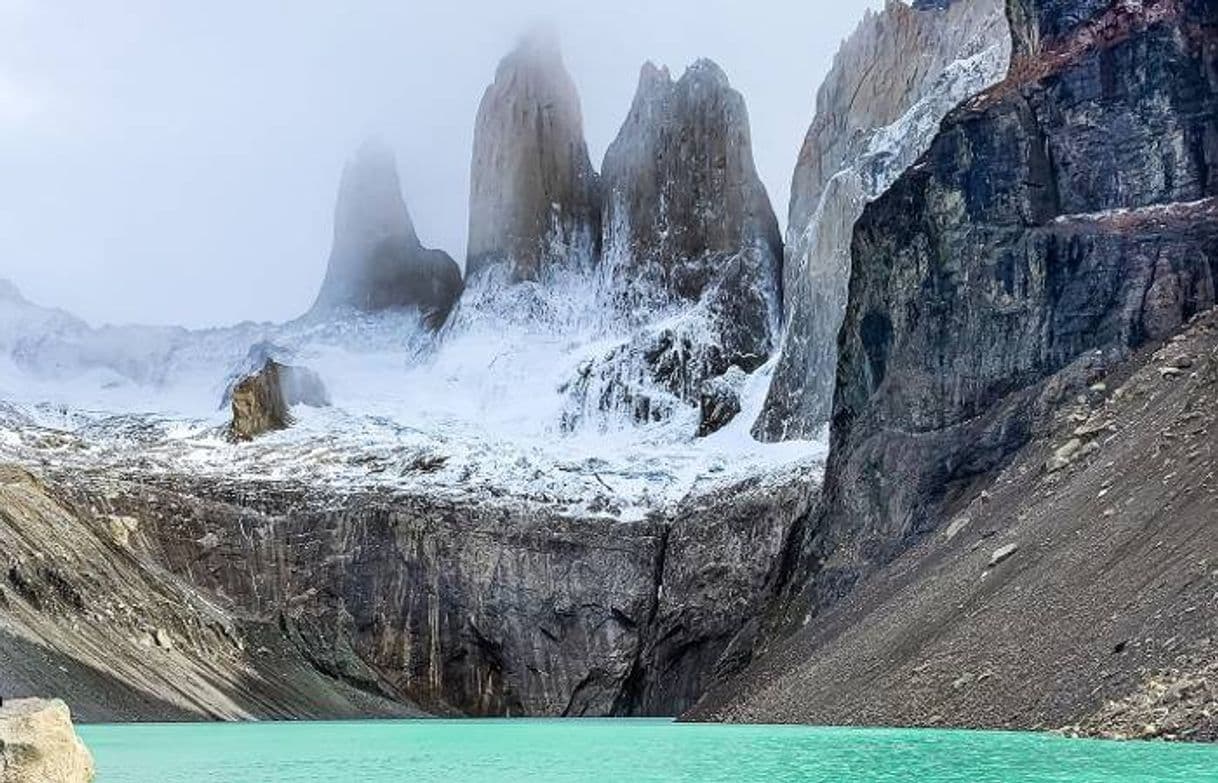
(378, 262)
(1104, 614)
(82, 614)
(891, 84)
(1060, 220)
(534, 198)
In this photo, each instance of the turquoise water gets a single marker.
(638, 751)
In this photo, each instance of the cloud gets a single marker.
(20, 105)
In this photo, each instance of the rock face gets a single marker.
(891, 84)
(1059, 220)
(378, 262)
(682, 199)
(534, 200)
(690, 243)
(483, 609)
(38, 744)
(262, 402)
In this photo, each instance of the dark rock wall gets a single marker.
(1067, 212)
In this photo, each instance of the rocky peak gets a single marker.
(689, 236)
(534, 199)
(891, 84)
(680, 187)
(377, 261)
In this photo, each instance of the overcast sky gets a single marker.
(168, 161)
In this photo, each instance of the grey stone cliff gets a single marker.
(880, 107)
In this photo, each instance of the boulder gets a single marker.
(534, 198)
(377, 261)
(261, 402)
(39, 745)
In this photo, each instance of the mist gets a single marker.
(178, 163)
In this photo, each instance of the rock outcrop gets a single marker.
(262, 401)
(1060, 220)
(38, 744)
(377, 262)
(534, 200)
(691, 252)
(880, 107)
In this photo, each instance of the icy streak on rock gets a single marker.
(891, 84)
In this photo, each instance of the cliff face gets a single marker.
(162, 595)
(1059, 220)
(891, 84)
(690, 243)
(378, 262)
(534, 200)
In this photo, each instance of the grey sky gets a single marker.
(168, 161)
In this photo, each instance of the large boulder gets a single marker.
(39, 745)
(1059, 220)
(262, 401)
(534, 199)
(377, 262)
(891, 84)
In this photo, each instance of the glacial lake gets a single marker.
(604, 751)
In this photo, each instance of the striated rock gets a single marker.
(891, 84)
(378, 262)
(480, 607)
(1017, 260)
(38, 744)
(261, 402)
(534, 199)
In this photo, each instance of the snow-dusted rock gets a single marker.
(691, 248)
(378, 262)
(534, 199)
(892, 83)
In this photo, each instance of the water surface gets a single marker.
(638, 751)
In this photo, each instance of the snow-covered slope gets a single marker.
(482, 408)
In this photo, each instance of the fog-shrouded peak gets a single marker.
(534, 197)
(377, 261)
